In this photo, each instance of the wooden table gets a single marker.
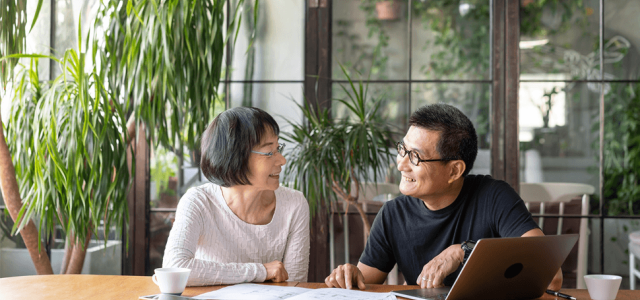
(131, 287)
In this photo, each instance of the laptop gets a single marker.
(505, 268)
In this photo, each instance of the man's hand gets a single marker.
(276, 271)
(345, 276)
(434, 272)
(556, 283)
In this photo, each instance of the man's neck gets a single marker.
(446, 198)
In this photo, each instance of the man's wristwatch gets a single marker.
(467, 247)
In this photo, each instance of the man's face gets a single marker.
(427, 180)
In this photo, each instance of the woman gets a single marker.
(243, 226)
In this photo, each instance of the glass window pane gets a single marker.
(451, 40)
(616, 247)
(370, 37)
(595, 240)
(621, 39)
(278, 46)
(39, 39)
(163, 183)
(621, 149)
(560, 38)
(473, 100)
(160, 224)
(559, 132)
(66, 30)
(278, 99)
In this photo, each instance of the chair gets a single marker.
(634, 252)
(562, 193)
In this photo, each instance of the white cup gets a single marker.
(171, 280)
(603, 287)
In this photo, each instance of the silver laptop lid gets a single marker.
(512, 268)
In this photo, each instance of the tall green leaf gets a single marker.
(166, 62)
(13, 34)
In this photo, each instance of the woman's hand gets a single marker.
(276, 271)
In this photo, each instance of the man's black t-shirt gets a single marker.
(406, 232)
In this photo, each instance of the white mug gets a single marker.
(171, 280)
(602, 287)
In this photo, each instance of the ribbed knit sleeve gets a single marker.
(220, 248)
(296, 255)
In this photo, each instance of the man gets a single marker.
(441, 208)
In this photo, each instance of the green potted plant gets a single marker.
(333, 155)
(67, 139)
(13, 32)
(141, 47)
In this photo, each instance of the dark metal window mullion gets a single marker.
(417, 81)
(227, 73)
(262, 81)
(582, 80)
(52, 64)
(601, 138)
(410, 83)
(497, 20)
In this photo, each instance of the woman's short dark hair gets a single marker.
(228, 141)
(458, 139)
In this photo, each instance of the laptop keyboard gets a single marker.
(441, 297)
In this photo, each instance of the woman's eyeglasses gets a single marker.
(279, 150)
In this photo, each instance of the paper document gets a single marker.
(342, 294)
(253, 291)
(273, 292)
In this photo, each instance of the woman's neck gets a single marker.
(249, 204)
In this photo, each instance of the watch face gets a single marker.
(468, 245)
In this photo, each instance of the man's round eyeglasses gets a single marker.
(279, 150)
(414, 158)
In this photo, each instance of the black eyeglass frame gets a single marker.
(401, 148)
(279, 150)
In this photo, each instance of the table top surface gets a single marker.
(131, 287)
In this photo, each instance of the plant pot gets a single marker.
(388, 10)
(100, 259)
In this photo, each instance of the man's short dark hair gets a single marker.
(458, 139)
(228, 141)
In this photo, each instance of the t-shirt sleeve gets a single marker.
(510, 215)
(378, 252)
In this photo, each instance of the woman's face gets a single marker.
(264, 171)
